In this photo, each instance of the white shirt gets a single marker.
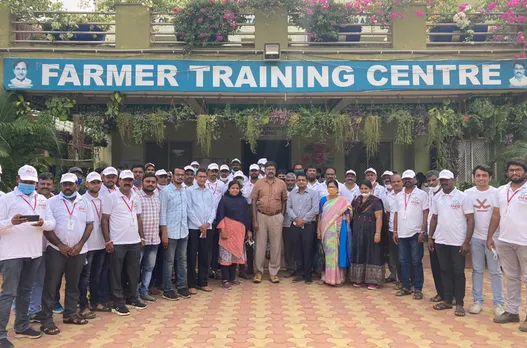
(349, 194)
(322, 189)
(513, 81)
(217, 189)
(23, 240)
(513, 220)
(391, 208)
(450, 209)
(105, 191)
(379, 191)
(431, 195)
(410, 209)
(123, 217)
(484, 203)
(96, 240)
(64, 211)
(2, 193)
(246, 191)
(315, 186)
(20, 83)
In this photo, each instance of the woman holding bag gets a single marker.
(234, 225)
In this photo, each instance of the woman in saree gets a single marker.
(367, 263)
(333, 231)
(234, 226)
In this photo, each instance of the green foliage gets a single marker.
(22, 106)
(114, 104)
(372, 135)
(60, 107)
(153, 5)
(250, 123)
(444, 129)
(26, 9)
(207, 130)
(270, 5)
(404, 125)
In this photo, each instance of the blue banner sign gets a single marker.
(259, 76)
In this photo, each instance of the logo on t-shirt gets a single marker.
(455, 204)
(522, 197)
(482, 207)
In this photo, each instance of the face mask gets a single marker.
(137, 182)
(73, 195)
(26, 188)
(366, 195)
(195, 171)
(435, 188)
(388, 187)
(79, 181)
(298, 172)
(333, 191)
(161, 186)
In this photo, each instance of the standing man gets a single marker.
(312, 182)
(138, 172)
(66, 252)
(378, 190)
(225, 174)
(394, 265)
(150, 209)
(201, 214)
(386, 179)
(433, 189)
(109, 180)
(195, 166)
(302, 209)
(174, 234)
(236, 165)
(21, 250)
(511, 217)
(410, 226)
(150, 168)
(297, 168)
(261, 162)
(269, 199)
(217, 188)
(329, 174)
(91, 272)
(484, 199)
(245, 270)
(162, 180)
(188, 180)
(350, 189)
(122, 229)
(287, 233)
(451, 230)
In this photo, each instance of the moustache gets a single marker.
(127, 185)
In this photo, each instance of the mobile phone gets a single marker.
(31, 218)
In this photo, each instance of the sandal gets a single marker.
(436, 298)
(50, 329)
(403, 292)
(418, 295)
(205, 288)
(442, 306)
(75, 320)
(87, 315)
(193, 291)
(460, 311)
(101, 308)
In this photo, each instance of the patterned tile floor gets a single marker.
(291, 315)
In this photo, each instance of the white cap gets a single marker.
(408, 174)
(213, 166)
(446, 174)
(126, 174)
(29, 173)
(239, 173)
(236, 160)
(370, 170)
(189, 168)
(388, 172)
(195, 163)
(161, 172)
(262, 161)
(351, 171)
(93, 176)
(224, 167)
(254, 167)
(110, 171)
(69, 177)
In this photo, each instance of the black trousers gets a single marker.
(289, 249)
(304, 241)
(157, 274)
(228, 273)
(56, 265)
(214, 265)
(394, 264)
(436, 273)
(125, 258)
(200, 247)
(452, 265)
(248, 267)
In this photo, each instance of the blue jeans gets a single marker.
(411, 254)
(90, 276)
(177, 248)
(104, 280)
(18, 278)
(480, 253)
(36, 291)
(148, 261)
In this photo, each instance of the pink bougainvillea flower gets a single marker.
(202, 35)
(492, 6)
(309, 11)
(176, 10)
(419, 13)
(200, 20)
(463, 7)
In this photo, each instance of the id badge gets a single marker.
(71, 225)
(405, 215)
(506, 211)
(132, 223)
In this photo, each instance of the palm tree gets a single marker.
(25, 139)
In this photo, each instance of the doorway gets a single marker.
(278, 151)
(170, 155)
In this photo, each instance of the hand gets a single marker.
(490, 244)
(299, 222)
(255, 226)
(224, 234)
(249, 235)
(164, 240)
(39, 223)
(65, 250)
(203, 235)
(319, 235)
(465, 249)
(76, 250)
(142, 242)
(395, 238)
(377, 238)
(109, 248)
(431, 243)
(421, 238)
(17, 220)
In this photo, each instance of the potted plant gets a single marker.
(509, 20)
(201, 22)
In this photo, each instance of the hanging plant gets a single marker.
(155, 123)
(444, 131)
(179, 114)
(280, 116)
(250, 123)
(60, 107)
(125, 122)
(207, 130)
(372, 134)
(404, 125)
(22, 106)
(114, 104)
(303, 123)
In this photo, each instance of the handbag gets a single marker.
(319, 261)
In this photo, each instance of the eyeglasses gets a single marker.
(517, 170)
(179, 175)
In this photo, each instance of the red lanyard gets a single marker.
(215, 187)
(405, 201)
(70, 213)
(514, 194)
(128, 206)
(34, 207)
(98, 211)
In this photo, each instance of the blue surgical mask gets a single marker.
(298, 172)
(79, 181)
(26, 188)
(73, 195)
(137, 182)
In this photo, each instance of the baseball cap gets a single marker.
(126, 174)
(254, 167)
(236, 160)
(446, 174)
(213, 166)
(110, 171)
(388, 172)
(29, 173)
(93, 176)
(239, 173)
(150, 164)
(189, 168)
(68, 177)
(262, 161)
(75, 170)
(351, 171)
(408, 174)
(195, 163)
(161, 172)
(224, 167)
(370, 170)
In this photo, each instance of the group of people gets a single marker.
(119, 238)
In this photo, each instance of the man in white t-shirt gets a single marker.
(217, 188)
(378, 191)
(433, 189)
(329, 174)
(312, 182)
(410, 226)
(225, 174)
(451, 230)
(350, 189)
(122, 229)
(394, 265)
(511, 217)
(386, 179)
(484, 199)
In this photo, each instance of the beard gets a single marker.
(518, 180)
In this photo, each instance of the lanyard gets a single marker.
(514, 194)
(34, 207)
(215, 187)
(98, 211)
(406, 201)
(130, 208)
(70, 213)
